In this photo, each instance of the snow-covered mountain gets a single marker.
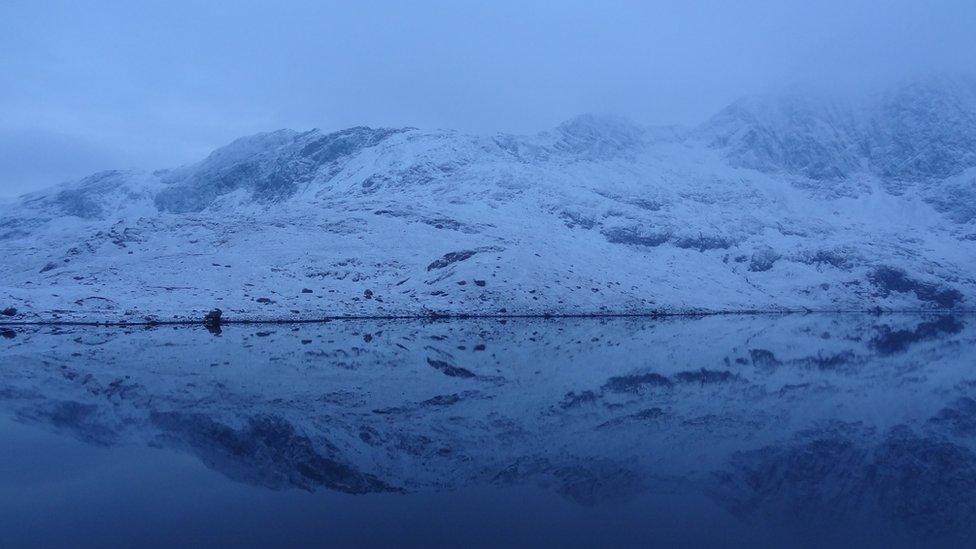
(788, 202)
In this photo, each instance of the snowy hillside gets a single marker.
(788, 202)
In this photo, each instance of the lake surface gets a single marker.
(734, 431)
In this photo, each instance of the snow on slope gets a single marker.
(790, 202)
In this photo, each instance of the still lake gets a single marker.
(733, 431)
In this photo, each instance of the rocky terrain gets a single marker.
(796, 201)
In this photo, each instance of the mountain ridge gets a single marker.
(780, 203)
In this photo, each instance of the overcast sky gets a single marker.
(94, 85)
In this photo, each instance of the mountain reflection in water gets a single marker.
(807, 430)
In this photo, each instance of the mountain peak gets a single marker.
(271, 166)
(598, 135)
(914, 131)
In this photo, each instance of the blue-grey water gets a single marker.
(731, 431)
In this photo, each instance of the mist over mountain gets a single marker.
(919, 131)
(794, 201)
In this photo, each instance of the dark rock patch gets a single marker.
(763, 260)
(704, 376)
(764, 358)
(574, 399)
(645, 204)
(838, 259)
(830, 361)
(889, 341)
(451, 257)
(889, 279)
(959, 417)
(703, 243)
(573, 220)
(267, 451)
(637, 383)
(449, 369)
(636, 237)
(443, 223)
(442, 400)
(81, 420)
